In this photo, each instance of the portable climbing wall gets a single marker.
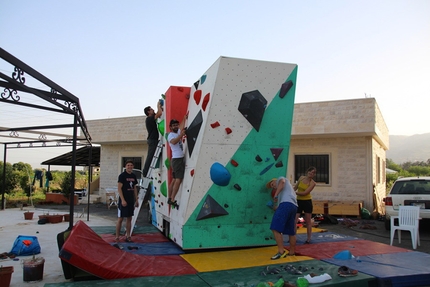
(240, 115)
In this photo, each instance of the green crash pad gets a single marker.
(158, 281)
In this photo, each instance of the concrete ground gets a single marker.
(12, 224)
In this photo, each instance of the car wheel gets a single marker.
(387, 224)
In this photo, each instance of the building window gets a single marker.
(320, 161)
(378, 169)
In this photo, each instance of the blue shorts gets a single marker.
(284, 219)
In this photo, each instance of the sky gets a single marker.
(119, 56)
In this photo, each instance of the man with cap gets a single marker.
(284, 219)
(178, 164)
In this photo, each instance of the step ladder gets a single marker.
(144, 183)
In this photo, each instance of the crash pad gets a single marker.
(357, 247)
(231, 259)
(138, 238)
(271, 273)
(105, 261)
(158, 248)
(392, 269)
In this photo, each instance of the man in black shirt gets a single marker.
(151, 127)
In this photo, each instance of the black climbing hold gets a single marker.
(285, 88)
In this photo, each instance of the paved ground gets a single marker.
(12, 224)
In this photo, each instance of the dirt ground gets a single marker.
(373, 230)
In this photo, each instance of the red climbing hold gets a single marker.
(215, 124)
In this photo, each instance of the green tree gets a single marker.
(419, 170)
(12, 178)
(66, 183)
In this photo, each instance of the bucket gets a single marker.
(33, 269)
(5, 275)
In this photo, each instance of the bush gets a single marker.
(66, 184)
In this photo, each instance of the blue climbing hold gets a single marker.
(219, 174)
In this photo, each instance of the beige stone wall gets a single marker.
(349, 157)
(380, 187)
(118, 130)
(110, 161)
(335, 117)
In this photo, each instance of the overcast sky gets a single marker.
(119, 56)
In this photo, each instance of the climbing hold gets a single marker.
(203, 79)
(266, 169)
(219, 174)
(276, 152)
(228, 130)
(193, 132)
(215, 124)
(205, 101)
(163, 188)
(180, 89)
(285, 88)
(192, 172)
(279, 164)
(161, 127)
(237, 187)
(167, 163)
(252, 106)
(211, 208)
(258, 158)
(234, 163)
(196, 84)
(197, 96)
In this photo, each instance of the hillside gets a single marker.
(409, 148)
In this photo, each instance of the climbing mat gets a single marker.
(138, 238)
(321, 237)
(357, 247)
(157, 248)
(393, 269)
(158, 281)
(105, 261)
(271, 273)
(136, 230)
(231, 259)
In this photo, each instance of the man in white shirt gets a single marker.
(178, 164)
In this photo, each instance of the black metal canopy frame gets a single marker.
(52, 103)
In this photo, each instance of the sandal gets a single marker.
(345, 271)
(307, 242)
(116, 239)
(128, 239)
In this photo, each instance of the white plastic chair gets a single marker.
(409, 221)
(111, 199)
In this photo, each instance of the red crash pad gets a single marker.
(356, 247)
(89, 252)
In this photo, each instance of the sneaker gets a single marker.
(344, 271)
(169, 201)
(279, 255)
(128, 239)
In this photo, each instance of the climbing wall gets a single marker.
(239, 126)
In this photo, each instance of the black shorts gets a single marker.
(304, 206)
(178, 166)
(126, 211)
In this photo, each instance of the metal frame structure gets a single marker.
(53, 101)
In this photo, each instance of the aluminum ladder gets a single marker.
(144, 183)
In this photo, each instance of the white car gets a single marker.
(408, 191)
